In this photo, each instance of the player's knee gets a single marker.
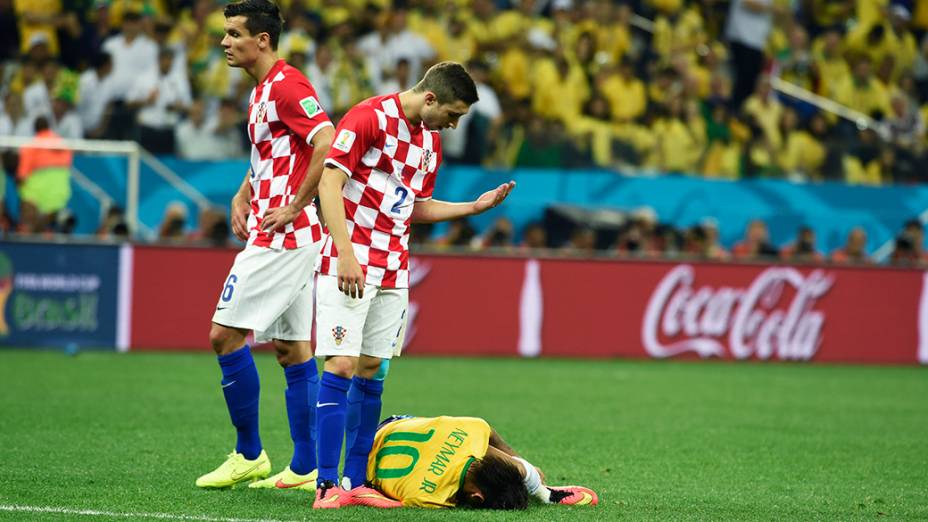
(369, 367)
(224, 340)
(290, 353)
(341, 366)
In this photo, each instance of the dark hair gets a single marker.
(501, 483)
(41, 124)
(261, 16)
(450, 82)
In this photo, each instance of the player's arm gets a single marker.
(279, 217)
(432, 210)
(240, 208)
(350, 275)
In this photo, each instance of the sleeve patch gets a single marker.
(345, 140)
(311, 106)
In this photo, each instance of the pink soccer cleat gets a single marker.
(370, 497)
(573, 496)
(329, 496)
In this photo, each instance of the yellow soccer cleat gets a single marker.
(236, 469)
(287, 479)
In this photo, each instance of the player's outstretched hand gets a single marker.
(350, 276)
(493, 197)
(240, 210)
(278, 218)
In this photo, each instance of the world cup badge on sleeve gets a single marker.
(338, 333)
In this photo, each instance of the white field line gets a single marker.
(130, 515)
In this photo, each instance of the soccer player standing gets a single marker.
(378, 178)
(269, 288)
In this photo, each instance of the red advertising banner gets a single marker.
(593, 308)
(174, 295)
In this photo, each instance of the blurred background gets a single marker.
(761, 131)
(621, 109)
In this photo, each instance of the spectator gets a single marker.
(64, 119)
(498, 235)
(861, 91)
(134, 56)
(625, 91)
(160, 98)
(37, 98)
(213, 229)
(95, 93)
(174, 222)
(460, 234)
(804, 154)
(582, 242)
(755, 244)
(44, 177)
(534, 237)
(14, 121)
(470, 141)
(703, 241)
(803, 249)
(640, 237)
(113, 225)
(854, 250)
(908, 251)
(749, 24)
(38, 21)
(399, 80)
(322, 71)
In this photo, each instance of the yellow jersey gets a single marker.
(421, 461)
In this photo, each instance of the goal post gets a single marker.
(130, 149)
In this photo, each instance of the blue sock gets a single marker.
(331, 404)
(241, 388)
(363, 416)
(302, 388)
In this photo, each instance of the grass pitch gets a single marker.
(122, 436)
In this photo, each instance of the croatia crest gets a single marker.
(426, 159)
(338, 333)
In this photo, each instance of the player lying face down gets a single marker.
(441, 462)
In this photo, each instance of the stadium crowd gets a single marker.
(683, 88)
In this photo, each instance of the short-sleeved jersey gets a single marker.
(390, 164)
(421, 461)
(283, 116)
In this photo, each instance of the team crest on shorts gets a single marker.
(338, 333)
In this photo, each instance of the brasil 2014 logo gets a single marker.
(6, 288)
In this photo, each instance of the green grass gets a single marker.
(656, 440)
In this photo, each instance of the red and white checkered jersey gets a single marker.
(390, 164)
(283, 116)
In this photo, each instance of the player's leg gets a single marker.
(241, 389)
(251, 299)
(384, 333)
(291, 334)
(339, 326)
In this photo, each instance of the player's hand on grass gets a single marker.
(493, 197)
(240, 210)
(350, 276)
(278, 218)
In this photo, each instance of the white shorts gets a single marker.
(270, 292)
(374, 325)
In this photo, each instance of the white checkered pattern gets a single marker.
(390, 165)
(281, 131)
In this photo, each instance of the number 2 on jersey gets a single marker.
(401, 192)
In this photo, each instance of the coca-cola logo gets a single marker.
(757, 320)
